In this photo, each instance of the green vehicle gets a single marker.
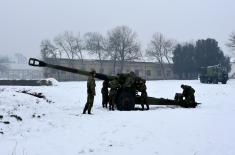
(213, 74)
(128, 93)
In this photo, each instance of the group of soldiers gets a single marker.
(110, 96)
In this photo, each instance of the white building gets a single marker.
(21, 71)
(146, 70)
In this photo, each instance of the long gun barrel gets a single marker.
(39, 63)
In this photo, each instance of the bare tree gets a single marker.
(160, 49)
(123, 45)
(169, 47)
(231, 43)
(48, 50)
(69, 44)
(96, 45)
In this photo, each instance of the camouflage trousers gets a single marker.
(190, 98)
(144, 102)
(105, 100)
(89, 104)
(112, 101)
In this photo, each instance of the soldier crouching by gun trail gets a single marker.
(188, 93)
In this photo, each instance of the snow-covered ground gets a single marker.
(59, 128)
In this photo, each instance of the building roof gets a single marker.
(97, 61)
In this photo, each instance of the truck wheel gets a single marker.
(215, 81)
(125, 101)
(202, 80)
(210, 80)
(224, 82)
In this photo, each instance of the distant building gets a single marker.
(146, 70)
(21, 71)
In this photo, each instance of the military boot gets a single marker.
(147, 107)
(84, 111)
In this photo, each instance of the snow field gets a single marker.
(59, 128)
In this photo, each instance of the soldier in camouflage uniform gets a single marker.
(105, 94)
(90, 92)
(114, 85)
(144, 94)
(188, 93)
(130, 79)
(131, 82)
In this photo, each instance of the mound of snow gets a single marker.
(59, 128)
(53, 81)
(49, 82)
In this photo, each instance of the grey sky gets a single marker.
(24, 23)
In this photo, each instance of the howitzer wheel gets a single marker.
(125, 101)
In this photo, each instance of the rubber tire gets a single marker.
(224, 82)
(202, 80)
(125, 101)
(215, 81)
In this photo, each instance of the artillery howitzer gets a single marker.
(127, 95)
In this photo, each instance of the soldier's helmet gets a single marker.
(141, 80)
(93, 72)
(132, 73)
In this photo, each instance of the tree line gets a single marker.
(189, 57)
(121, 44)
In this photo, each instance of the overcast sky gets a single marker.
(25, 23)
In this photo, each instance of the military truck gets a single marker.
(213, 74)
(128, 93)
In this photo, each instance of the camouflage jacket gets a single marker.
(104, 90)
(114, 85)
(91, 86)
(143, 91)
(130, 80)
(188, 90)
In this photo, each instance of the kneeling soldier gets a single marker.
(188, 93)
